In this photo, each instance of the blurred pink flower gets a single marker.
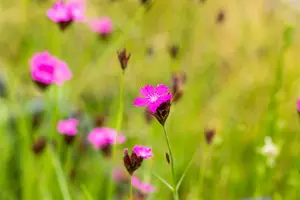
(48, 69)
(298, 105)
(142, 151)
(65, 13)
(142, 187)
(119, 175)
(153, 97)
(101, 137)
(68, 127)
(59, 12)
(103, 26)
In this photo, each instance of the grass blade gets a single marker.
(185, 171)
(60, 176)
(163, 181)
(86, 192)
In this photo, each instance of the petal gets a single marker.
(148, 90)
(162, 89)
(165, 98)
(152, 107)
(140, 101)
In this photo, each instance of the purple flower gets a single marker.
(47, 69)
(102, 26)
(142, 151)
(153, 97)
(68, 127)
(142, 187)
(103, 137)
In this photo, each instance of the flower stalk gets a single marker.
(175, 192)
(118, 127)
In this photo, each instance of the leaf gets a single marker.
(86, 192)
(163, 181)
(60, 176)
(185, 171)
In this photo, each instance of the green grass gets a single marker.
(242, 80)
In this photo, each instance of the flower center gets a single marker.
(153, 98)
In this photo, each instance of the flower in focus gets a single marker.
(104, 138)
(65, 13)
(270, 150)
(143, 188)
(102, 26)
(142, 151)
(153, 97)
(133, 162)
(47, 69)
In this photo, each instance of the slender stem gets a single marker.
(202, 171)
(175, 192)
(118, 127)
(130, 191)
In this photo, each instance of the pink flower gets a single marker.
(153, 97)
(68, 127)
(65, 13)
(143, 187)
(48, 69)
(101, 137)
(119, 175)
(142, 151)
(298, 105)
(59, 12)
(102, 26)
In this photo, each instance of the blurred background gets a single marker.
(240, 59)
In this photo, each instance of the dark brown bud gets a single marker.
(148, 116)
(178, 81)
(41, 86)
(162, 112)
(139, 196)
(39, 145)
(69, 139)
(132, 162)
(107, 151)
(64, 25)
(209, 135)
(220, 17)
(174, 51)
(99, 120)
(168, 158)
(123, 58)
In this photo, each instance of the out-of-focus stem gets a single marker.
(118, 127)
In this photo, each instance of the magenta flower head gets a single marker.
(157, 100)
(298, 106)
(65, 13)
(68, 128)
(134, 161)
(104, 138)
(47, 69)
(102, 26)
(143, 188)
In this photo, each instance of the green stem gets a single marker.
(118, 127)
(175, 192)
(130, 190)
(68, 162)
(203, 170)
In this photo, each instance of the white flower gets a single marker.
(270, 150)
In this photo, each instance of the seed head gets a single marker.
(123, 58)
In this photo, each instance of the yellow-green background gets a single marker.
(241, 81)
